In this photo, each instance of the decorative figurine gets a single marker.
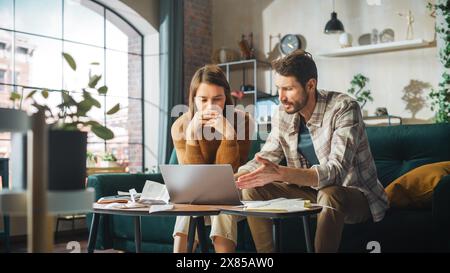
(410, 21)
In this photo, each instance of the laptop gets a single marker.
(201, 184)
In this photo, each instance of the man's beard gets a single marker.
(296, 106)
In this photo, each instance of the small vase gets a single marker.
(345, 40)
(223, 55)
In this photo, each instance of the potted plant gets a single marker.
(91, 160)
(440, 98)
(359, 91)
(68, 127)
(109, 160)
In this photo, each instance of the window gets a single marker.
(2, 79)
(100, 41)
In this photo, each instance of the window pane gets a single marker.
(6, 14)
(89, 62)
(42, 17)
(123, 74)
(6, 63)
(38, 62)
(127, 122)
(121, 36)
(84, 22)
(127, 155)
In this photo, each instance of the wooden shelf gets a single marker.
(378, 48)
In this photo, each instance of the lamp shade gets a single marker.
(334, 25)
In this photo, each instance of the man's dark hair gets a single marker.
(299, 64)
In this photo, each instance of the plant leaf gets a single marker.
(31, 94)
(103, 90)
(114, 109)
(70, 61)
(45, 93)
(102, 132)
(94, 80)
(83, 107)
(68, 100)
(92, 123)
(96, 103)
(15, 96)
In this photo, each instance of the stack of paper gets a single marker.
(278, 205)
(154, 193)
(156, 208)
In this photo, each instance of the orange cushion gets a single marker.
(415, 188)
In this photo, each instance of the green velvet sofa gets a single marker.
(396, 150)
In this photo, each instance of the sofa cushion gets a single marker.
(415, 188)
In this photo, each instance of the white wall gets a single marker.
(389, 73)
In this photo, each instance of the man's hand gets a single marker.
(237, 175)
(267, 173)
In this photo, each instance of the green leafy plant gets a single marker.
(109, 157)
(440, 98)
(91, 159)
(358, 90)
(72, 114)
(91, 156)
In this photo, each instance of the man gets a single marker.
(322, 136)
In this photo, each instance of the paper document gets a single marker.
(278, 205)
(154, 193)
(129, 205)
(156, 208)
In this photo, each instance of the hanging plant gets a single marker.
(440, 97)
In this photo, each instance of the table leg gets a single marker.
(191, 233)
(137, 233)
(93, 233)
(202, 239)
(308, 240)
(276, 232)
(6, 233)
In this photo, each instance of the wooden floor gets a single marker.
(65, 243)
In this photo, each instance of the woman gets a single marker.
(211, 132)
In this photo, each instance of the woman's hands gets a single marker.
(209, 118)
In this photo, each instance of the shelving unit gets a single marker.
(378, 48)
(386, 119)
(253, 65)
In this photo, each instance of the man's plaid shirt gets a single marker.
(340, 142)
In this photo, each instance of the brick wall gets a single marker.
(134, 122)
(197, 38)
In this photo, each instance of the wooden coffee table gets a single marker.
(276, 222)
(195, 212)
